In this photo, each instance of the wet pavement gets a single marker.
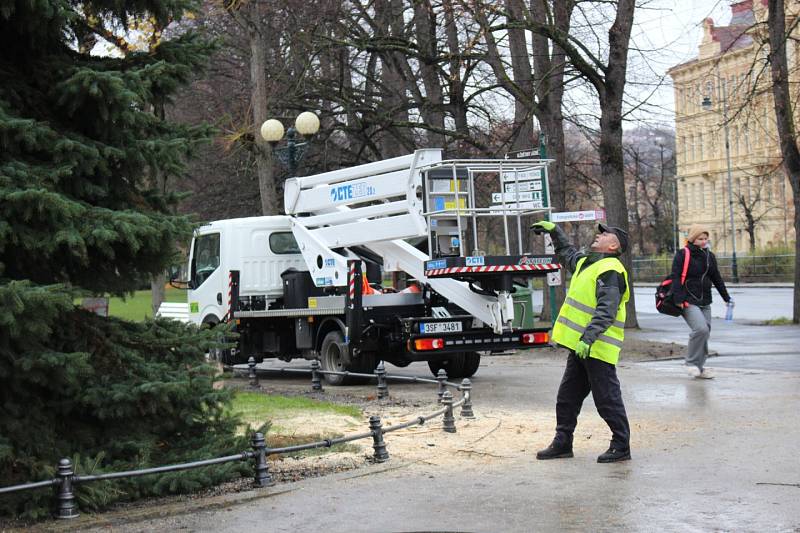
(719, 455)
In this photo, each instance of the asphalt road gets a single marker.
(717, 455)
(752, 303)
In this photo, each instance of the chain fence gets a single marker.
(66, 479)
(752, 268)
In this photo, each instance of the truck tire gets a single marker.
(458, 366)
(365, 364)
(331, 357)
(472, 360)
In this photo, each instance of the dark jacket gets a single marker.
(610, 285)
(701, 274)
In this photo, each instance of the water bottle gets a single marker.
(729, 312)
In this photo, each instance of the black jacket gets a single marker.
(701, 274)
(610, 285)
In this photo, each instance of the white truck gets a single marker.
(294, 284)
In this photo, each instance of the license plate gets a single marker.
(440, 327)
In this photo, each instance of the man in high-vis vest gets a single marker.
(591, 326)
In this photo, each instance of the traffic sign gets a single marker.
(523, 175)
(513, 197)
(523, 186)
(578, 216)
(513, 206)
(530, 153)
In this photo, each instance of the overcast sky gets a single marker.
(670, 31)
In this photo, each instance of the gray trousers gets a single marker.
(699, 319)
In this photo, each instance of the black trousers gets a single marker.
(599, 377)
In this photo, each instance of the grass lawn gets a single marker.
(137, 307)
(255, 407)
(289, 420)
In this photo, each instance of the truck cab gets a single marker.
(259, 248)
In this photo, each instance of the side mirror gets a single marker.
(174, 282)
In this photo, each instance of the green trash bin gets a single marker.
(523, 307)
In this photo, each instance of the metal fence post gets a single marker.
(381, 455)
(316, 382)
(448, 421)
(251, 364)
(383, 388)
(466, 391)
(67, 508)
(262, 478)
(441, 377)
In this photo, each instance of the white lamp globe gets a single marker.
(307, 123)
(272, 130)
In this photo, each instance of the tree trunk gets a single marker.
(259, 102)
(549, 61)
(432, 109)
(521, 68)
(392, 107)
(611, 159)
(776, 22)
(458, 106)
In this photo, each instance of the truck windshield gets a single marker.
(283, 243)
(205, 258)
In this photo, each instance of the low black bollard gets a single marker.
(67, 508)
(383, 388)
(262, 478)
(448, 421)
(441, 377)
(316, 382)
(251, 364)
(381, 455)
(466, 407)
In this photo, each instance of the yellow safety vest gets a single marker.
(579, 308)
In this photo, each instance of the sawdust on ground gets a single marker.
(493, 435)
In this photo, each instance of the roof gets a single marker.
(732, 37)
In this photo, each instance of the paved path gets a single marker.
(758, 303)
(716, 455)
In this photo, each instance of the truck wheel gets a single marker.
(365, 364)
(331, 357)
(472, 360)
(453, 365)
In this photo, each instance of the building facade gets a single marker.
(725, 93)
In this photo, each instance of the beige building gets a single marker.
(727, 89)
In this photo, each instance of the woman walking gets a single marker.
(695, 296)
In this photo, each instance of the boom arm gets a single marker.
(376, 206)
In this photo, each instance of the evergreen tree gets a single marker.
(79, 216)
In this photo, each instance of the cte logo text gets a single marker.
(341, 193)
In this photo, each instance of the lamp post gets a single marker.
(707, 105)
(306, 124)
(660, 144)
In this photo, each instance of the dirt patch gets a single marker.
(642, 350)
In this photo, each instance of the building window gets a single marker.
(767, 187)
(700, 146)
(685, 195)
(746, 138)
(702, 196)
(713, 198)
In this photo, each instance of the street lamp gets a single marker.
(707, 105)
(660, 144)
(306, 124)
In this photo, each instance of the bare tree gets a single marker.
(784, 113)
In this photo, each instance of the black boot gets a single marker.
(613, 454)
(556, 450)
